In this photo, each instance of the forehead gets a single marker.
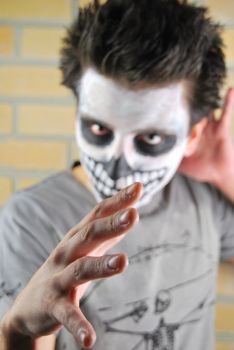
(109, 101)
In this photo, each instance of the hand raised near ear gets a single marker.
(51, 298)
(213, 158)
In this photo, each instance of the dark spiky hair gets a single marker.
(148, 41)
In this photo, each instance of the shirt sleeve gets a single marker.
(224, 214)
(26, 239)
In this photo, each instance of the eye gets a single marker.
(154, 143)
(99, 130)
(151, 139)
(96, 133)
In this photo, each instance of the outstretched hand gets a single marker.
(213, 160)
(51, 298)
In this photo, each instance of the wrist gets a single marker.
(12, 337)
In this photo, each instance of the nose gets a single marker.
(117, 167)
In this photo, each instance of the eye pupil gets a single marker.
(153, 139)
(99, 130)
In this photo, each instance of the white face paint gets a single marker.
(130, 135)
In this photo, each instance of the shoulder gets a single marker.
(35, 197)
(59, 201)
(203, 195)
(187, 184)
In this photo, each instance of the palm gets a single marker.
(215, 152)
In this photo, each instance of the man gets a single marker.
(147, 76)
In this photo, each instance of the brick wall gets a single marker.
(37, 114)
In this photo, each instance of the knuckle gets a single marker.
(84, 234)
(99, 209)
(71, 322)
(98, 266)
(112, 223)
(89, 268)
(59, 255)
(78, 271)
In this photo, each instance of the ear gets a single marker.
(195, 137)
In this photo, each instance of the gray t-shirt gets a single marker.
(165, 299)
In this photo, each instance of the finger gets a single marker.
(226, 116)
(88, 269)
(123, 199)
(71, 317)
(95, 234)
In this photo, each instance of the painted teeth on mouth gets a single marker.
(100, 186)
(98, 170)
(129, 180)
(90, 162)
(153, 175)
(120, 183)
(107, 191)
(103, 176)
(145, 178)
(137, 177)
(108, 187)
(110, 182)
(150, 186)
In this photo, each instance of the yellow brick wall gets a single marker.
(37, 113)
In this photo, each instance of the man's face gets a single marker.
(127, 135)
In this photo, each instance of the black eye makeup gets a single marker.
(95, 132)
(154, 143)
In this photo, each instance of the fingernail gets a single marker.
(131, 190)
(124, 218)
(113, 263)
(82, 334)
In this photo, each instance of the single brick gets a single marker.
(220, 345)
(75, 153)
(47, 120)
(6, 41)
(228, 36)
(224, 318)
(25, 182)
(43, 9)
(225, 282)
(33, 155)
(31, 81)
(6, 189)
(5, 118)
(42, 42)
(221, 10)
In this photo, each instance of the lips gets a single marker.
(107, 187)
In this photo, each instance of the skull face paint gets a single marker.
(127, 135)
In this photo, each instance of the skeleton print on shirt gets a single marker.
(151, 321)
